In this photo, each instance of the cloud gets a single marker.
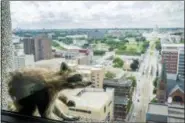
(96, 14)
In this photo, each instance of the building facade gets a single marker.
(95, 73)
(173, 54)
(181, 63)
(40, 46)
(22, 61)
(122, 92)
(162, 84)
(29, 45)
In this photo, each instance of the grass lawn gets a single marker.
(133, 48)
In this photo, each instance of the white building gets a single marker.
(96, 74)
(91, 104)
(23, 60)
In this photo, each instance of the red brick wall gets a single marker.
(171, 59)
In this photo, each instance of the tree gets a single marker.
(118, 62)
(98, 52)
(145, 44)
(135, 65)
(158, 45)
(111, 48)
(133, 78)
(155, 82)
(110, 75)
(55, 44)
(154, 91)
(154, 100)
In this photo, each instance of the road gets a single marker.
(144, 89)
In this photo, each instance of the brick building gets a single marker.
(173, 54)
(39, 46)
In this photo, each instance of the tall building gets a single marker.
(29, 45)
(172, 54)
(162, 84)
(122, 91)
(40, 46)
(181, 63)
(90, 104)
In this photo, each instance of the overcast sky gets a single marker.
(96, 14)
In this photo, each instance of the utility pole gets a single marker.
(7, 52)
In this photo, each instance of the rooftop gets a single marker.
(173, 112)
(117, 71)
(157, 109)
(85, 67)
(172, 45)
(89, 97)
(120, 83)
(53, 63)
(120, 100)
(84, 71)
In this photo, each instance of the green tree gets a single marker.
(158, 45)
(154, 100)
(155, 82)
(135, 65)
(98, 52)
(109, 75)
(111, 48)
(55, 44)
(118, 62)
(155, 90)
(133, 78)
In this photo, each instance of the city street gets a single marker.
(144, 90)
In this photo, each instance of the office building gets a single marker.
(171, 55)
(181, 63)
(165, 113)
(91, 104)
(40, 46)
(122, 92)
(29, 45)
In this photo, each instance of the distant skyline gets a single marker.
(96, 14)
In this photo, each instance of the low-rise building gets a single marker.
(86, 105)
(96, 73)
(165, 113)
(21, 61)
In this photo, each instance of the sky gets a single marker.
(96, 14)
